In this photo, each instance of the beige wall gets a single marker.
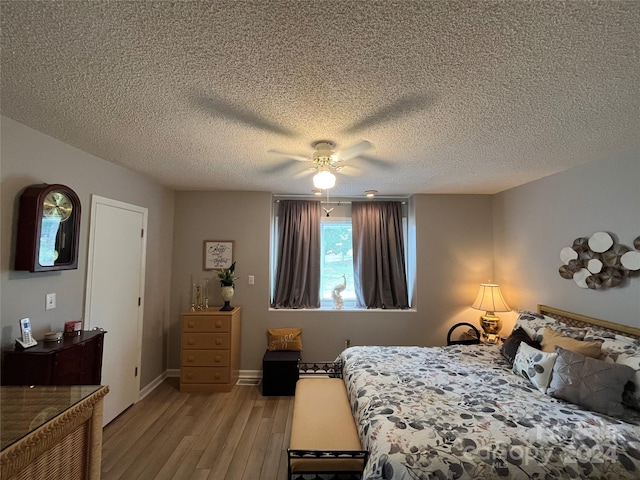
(457, 237)
(454, 238)
(30, 157)
(533, 222)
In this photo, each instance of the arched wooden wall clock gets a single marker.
(48, 229)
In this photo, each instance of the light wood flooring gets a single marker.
(172, 435)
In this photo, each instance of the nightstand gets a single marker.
(280, 372)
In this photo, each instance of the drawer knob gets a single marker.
(191, 341)
(190, 358)
(218, 324)
(192, 324)
(218, 359)
(218, 341)
(216, 376)
(189, 375)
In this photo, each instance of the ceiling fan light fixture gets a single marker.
(370, 193)
(324, 180)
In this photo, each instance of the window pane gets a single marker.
(337, 262)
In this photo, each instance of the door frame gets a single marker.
(95, 201)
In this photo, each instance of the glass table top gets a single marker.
(24, 409)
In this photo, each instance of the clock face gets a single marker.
(48, 228)
(57, 204)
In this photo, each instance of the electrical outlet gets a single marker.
(252, 280)
(50, 302)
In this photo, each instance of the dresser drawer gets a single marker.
(205, 358)
(206, 324)
(205, 375)
(206, 341)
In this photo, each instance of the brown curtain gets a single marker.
(297, 283)
(380, 278)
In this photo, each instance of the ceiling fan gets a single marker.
(324, 160)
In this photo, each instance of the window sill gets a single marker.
(345, 310)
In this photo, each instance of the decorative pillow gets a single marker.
(594, 334)
(285, 339)
(592, 383)
(535, 323)
(631, 397)
(613, 342)
(510, 346)
(622, 350)
(551, 339)
(534, 365)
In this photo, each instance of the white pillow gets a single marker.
(534, 365)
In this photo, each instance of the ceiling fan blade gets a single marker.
(354, 150)
(292, 156)
(305, 172)
(279, 167)
(350, 170)
(375, 162)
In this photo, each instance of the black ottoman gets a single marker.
(279, 373)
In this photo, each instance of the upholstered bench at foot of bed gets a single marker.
(324, 438)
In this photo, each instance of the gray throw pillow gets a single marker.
(589, 382)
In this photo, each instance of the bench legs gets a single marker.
(329, 455)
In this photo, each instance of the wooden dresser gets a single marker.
(210, 350)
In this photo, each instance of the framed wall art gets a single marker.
(218, 254)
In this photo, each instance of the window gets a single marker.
(336, 262)
(320, 268)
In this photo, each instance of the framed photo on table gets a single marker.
(218, 254)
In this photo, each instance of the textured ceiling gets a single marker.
(454, 96)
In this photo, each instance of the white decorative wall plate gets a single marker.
(599, 262)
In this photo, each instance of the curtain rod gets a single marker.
(338, 202)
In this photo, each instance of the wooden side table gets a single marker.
(70, 361)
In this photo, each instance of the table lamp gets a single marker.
(490, 300)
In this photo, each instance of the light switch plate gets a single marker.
(50, 302)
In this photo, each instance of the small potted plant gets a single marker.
(226, 277)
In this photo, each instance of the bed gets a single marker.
(461, 412)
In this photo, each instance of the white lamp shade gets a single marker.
(490, 299)
(324, 179)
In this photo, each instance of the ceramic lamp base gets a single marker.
(490, 323)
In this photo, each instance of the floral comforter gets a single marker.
(459, 412)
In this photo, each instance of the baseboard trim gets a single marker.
(151, 386)
(175, 372)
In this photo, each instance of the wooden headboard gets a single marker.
(577, 320)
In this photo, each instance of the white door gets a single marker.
(114, 296)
